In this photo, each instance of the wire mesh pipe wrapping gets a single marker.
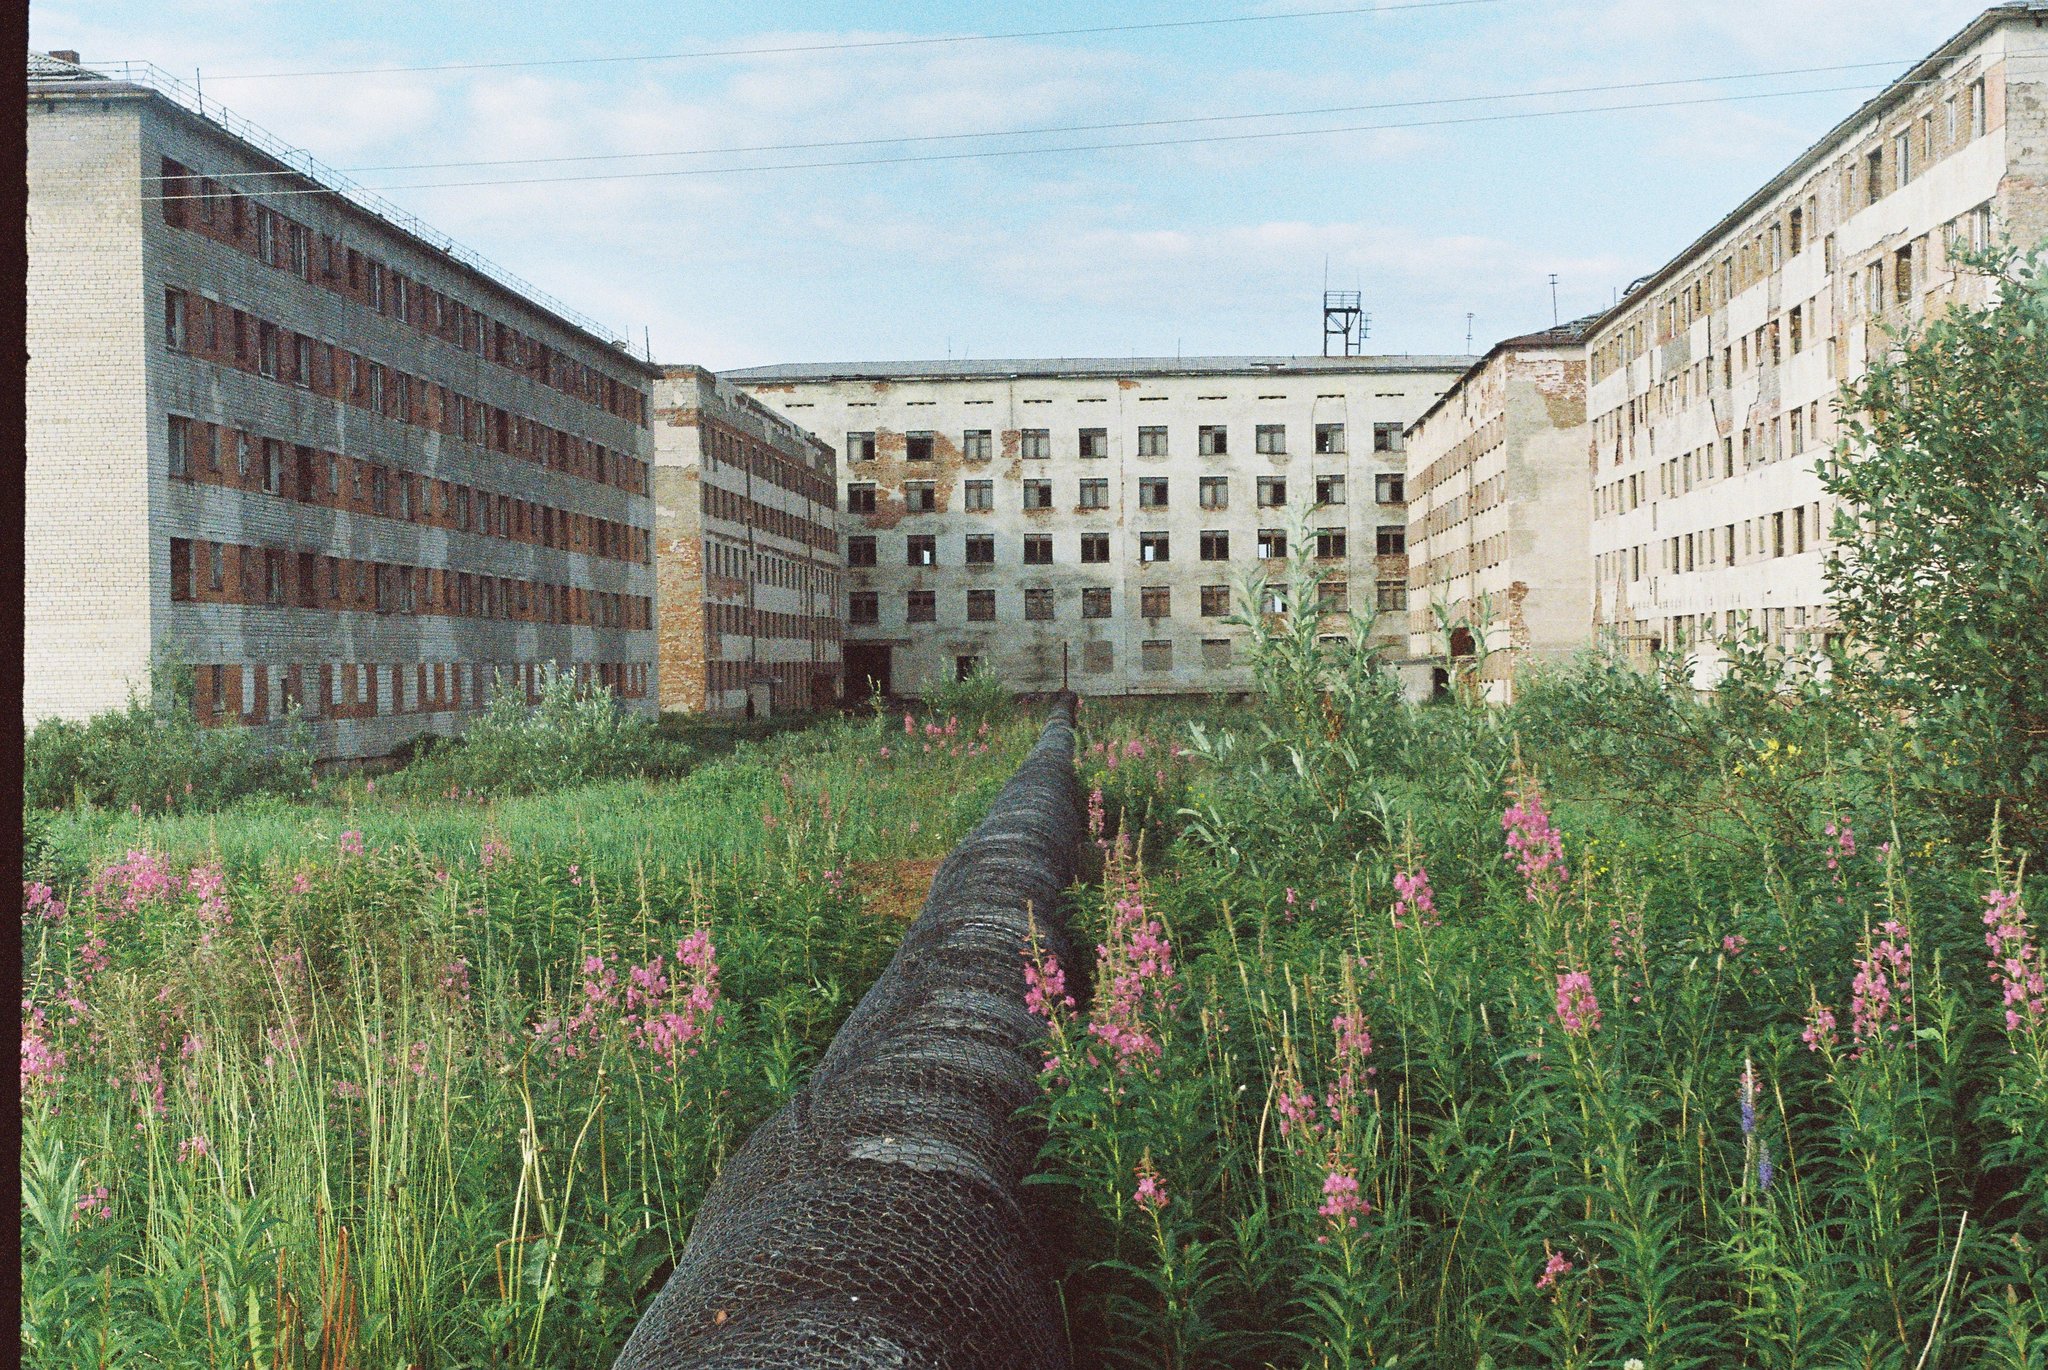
(878, 1219)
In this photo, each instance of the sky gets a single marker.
(1437, 208)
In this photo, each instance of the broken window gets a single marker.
(1095, 547)
(1215, 545)
(1329, 489)
(1272, 544)
(860, 446)
(1902, 157)
(1873, 175)
(860, 498)
(1386, 437)
(1214, 492)
(1393, 539)
(860, 550)
(1329, 439)
(1095, 601)
(1329, 543)
(1333, 595)
(917, 446)
(974, 444)
(1391, 595)
(1152, 547)
(981, 606)
(922, 606)
(1038, 550)
(981, 496)
(1389, 489)
(1038, 605)
(1094, 442)
(921, 549)
(864, 607)
(1038, 494)
(1212, 440)
(1902, 274)
(1035, 444)
(1095, 493)
(1272, 491)
(1216, 653)
(1270, 439)
(981, 549)
(1156, 655)
(1152, 492)
(1215, 601)
(1152, 441)
(1155, 601)
(920, 496)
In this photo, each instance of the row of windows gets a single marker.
(979, 549)
(232, 573)
(1154, 492)
(733, 507)
(256, 692)
(864, 607)
(215, 332)
(1787, 532)
(200, 453)
(722, 446)
(727, 561)
(739, 620)
(204, 206)
(1035, 444)
(799, 678)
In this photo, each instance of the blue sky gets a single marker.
(1215, 247)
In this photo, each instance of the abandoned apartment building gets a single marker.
(1711, 383)
(746, 553)
(1086, 522)
(293, 444)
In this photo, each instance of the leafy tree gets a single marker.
(1940, 576)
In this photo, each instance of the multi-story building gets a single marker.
(746, 553)
(1086, 522)
(1498, 509)
(280, 435)
(1712, 382)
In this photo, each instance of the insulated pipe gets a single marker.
(878, 1219)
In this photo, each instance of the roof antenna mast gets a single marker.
(1344, 321)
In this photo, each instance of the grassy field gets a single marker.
(381, 1080)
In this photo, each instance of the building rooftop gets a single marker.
(1102, 368)
(1572, 334)
(61, 73)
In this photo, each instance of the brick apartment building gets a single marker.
(1498, 509)
(292, 442)
(1712, 383)
(746, 553)
(1084, 522)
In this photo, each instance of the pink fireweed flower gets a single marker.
(575, 874)
(1881, 994)
(1842, 847)
(92, 1206)
(1820, 1027)
(455, 980)
(1578, 1008)
(1150, 1194)
(42, 1063)
(1536, 848)
(2015, 961)
(209, 882)
(195, 1147)
(1555, 1267)
(1045, 986)
(909, 726)
(493, 852)
(39, 901)
(1414, 900)
(1297, 1111)
(1342, 1204)
(885, 753)
(1733, 943)
(1098, 817)
(138, 878)
(347, 1089)
(1290, 896)
(190, 1048)
(302, 883)
(1134, 970)
(350, 843)
(1354, 1046)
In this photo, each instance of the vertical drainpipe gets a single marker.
(753, 579)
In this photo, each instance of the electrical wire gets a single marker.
(862, 44)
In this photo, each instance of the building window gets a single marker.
(1095, 547)
(216, 568)
(1214, 492)
(1330, 543)
(922, 606)
(1216, 653)
(920, 496)
(181, 569)
(1873, 175)
(242, 458)
(1034, 444)
(860, 447)
(917, 446)
(974, 444)
(1094, 442)
(1393, 539)
(1902, 275)
(1151, 492)
(1902, 157)
(266, 350)
(1212, 440)
(981, 496)
(1386, 437)
(1095, 493)
(181, 448)
(174, 320)
(273, 467)
(860, 550)
(981, 549)
(1152, 547)
(860, 498)
(1156, 655)
(1391, 595)
(1333, 595)
(1095, 602)
(1152, 441)
(1155, 601)
(1329, 489)
(921, 549)
(1978, 120)
(1272, 492)
(1038, 550)
(1390, 489)
(1272, 544)
(1215, 601)
(1270, 439)
(1215, 545)
(1038, 494)
(1038, 605)
(981, 606)
(1329, 439)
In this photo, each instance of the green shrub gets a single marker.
(155, 756)
(976, 697)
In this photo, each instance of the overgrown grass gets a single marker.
(386, 1079)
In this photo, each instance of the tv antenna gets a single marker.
(1344, 320)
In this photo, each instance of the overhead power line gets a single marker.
(1051, 129)
(990, 153)
(869, 43)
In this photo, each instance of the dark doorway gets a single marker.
(964, 666)
(1461, 642)
(1439, 682)
(867, 670)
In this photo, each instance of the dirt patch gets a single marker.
(894, 889)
